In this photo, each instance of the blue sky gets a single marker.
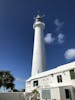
(17, 34)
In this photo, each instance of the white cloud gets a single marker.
(60, 38)
(58, 24)
(70, 53)
(48, 38)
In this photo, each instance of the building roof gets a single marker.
(58, 69)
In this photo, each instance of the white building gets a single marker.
(60, 81)
(54, 84)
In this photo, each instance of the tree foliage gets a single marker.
(6, 80)
(16, 90)
(35, 95)
(35, 91)
(23, 90)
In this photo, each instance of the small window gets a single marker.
(67, 93)
(35, 83)
(72, 74)
(59, 78)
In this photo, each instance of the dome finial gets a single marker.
(38, 17)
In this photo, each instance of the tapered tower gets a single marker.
(39, 58)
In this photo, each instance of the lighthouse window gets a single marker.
(59, 78)
(72, 74)
(35, 83)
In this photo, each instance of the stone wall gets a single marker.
(12, 96)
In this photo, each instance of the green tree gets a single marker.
(6, 80)
(35, 95)
(23, 90)
(15, 90)
(35, 91)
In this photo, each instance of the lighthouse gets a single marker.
(39, 57)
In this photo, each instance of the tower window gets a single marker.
(72, 74)
(59, 78)
(67, 93)
(35, 83)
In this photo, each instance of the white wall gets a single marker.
(55, 94)
(62, 92)
(66, 80)
(42, 83)
(51, 81)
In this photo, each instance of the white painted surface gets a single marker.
(55, 94)
(62, 92)
(48, 79)
(39, 58)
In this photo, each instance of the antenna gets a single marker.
(39, 16)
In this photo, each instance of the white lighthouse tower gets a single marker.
(39, 58)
